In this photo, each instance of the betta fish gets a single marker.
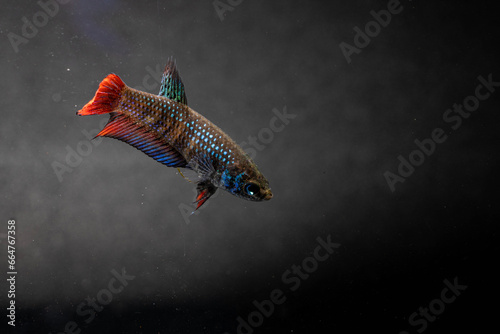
(166, 129)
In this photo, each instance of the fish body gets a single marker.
(165, 128)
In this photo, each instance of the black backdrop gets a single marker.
(86, 211)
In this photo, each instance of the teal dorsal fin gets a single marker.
(171, 84)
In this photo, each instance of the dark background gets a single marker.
(119, 209)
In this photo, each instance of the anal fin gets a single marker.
(121, 127)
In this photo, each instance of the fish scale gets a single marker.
(168, 130)
(183, 128)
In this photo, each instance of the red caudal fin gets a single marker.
(106, 98)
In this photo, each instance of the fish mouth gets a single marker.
(268, 195)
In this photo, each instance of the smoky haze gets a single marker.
(326, 124)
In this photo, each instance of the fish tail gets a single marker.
(106, 98)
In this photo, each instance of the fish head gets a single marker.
(246, 182)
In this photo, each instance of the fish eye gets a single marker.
(252, 189)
